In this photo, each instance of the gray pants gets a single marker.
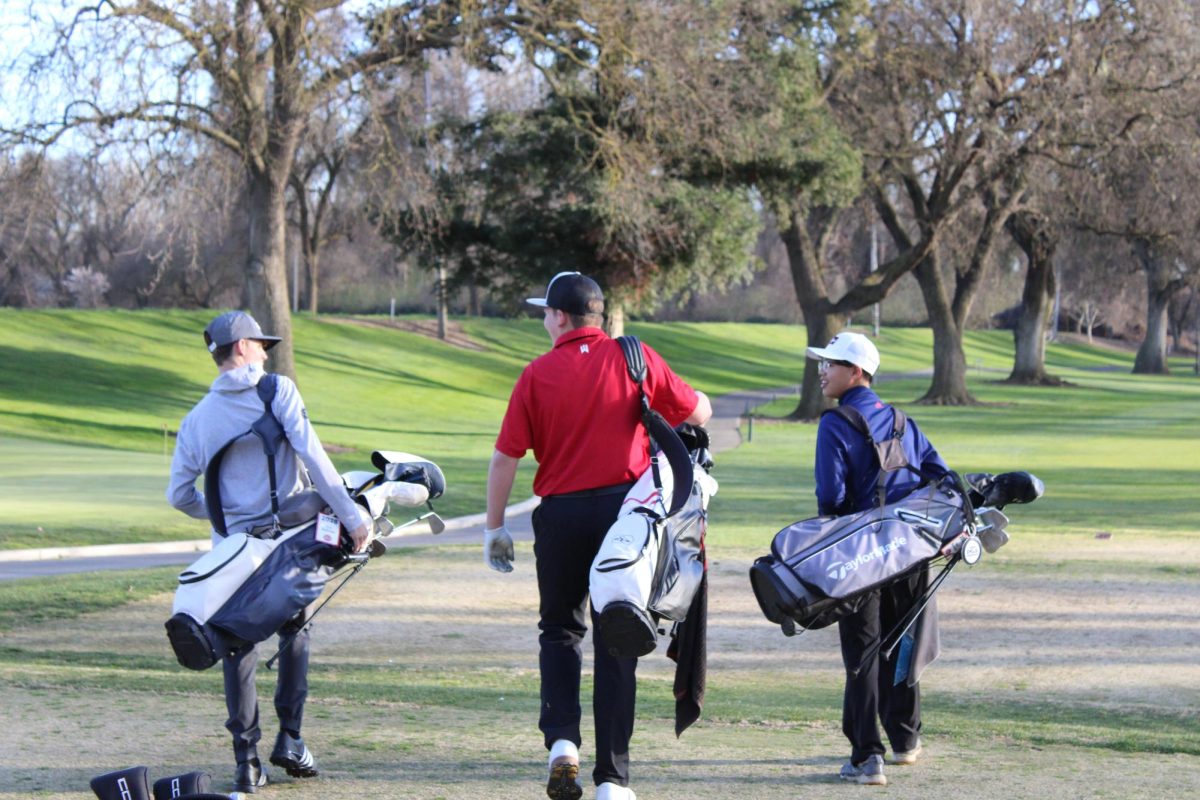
(241, 694)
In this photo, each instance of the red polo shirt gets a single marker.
(578, 411)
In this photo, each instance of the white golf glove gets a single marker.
(498, 549)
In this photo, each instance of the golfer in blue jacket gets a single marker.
(847, 471)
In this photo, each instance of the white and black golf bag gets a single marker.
(247, 588)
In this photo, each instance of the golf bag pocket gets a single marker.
(291, 577)
(187, 785)
(680, 567)
(124, 784)
(210, 580)
(624, 566)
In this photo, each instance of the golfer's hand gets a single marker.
(359, 537)
(498, 549)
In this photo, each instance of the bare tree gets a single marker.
(244, 74)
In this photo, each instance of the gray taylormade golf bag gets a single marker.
(820, 567)
(652, 559)
(250, 587)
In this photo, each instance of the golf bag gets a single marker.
(819, 567)
(247, 588)
(650, 563)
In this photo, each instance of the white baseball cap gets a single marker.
(852, 347)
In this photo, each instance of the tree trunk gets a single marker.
(819, 322)
(949, 384)
(614, 324)
(266, 291)
(443, 302)
(1151, 356)
(312, 262)
(1031, 234)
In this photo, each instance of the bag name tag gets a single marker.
(328, 529)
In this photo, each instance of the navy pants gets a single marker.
(567, 533)
(241, 694)
(873, 692)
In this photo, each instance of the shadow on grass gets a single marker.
(74, 381)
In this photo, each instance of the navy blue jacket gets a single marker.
(846, 465)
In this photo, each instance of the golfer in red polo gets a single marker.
(578, 411)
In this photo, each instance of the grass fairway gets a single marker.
(89, 402)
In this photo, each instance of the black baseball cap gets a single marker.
(233, 326)
(572, 292)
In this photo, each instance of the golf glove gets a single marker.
(498, 549)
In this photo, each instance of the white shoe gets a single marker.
(611, 791)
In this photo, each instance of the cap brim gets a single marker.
(269, 341)
(818, 353)
(540, 302)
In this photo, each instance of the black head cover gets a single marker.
(190, 784)
(998, 491)
(124, 784)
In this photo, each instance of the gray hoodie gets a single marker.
(230, 407)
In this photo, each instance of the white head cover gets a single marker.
(852, 347)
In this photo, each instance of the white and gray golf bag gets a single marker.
(652, 559)
(247, 588)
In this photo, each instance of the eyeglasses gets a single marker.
(824, 365)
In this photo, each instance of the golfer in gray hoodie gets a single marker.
(239, 348)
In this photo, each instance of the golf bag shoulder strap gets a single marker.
(270, 432)
(635, 359)
(889, 452)
(662, 436)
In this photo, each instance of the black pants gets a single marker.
(872, 693)
(567, 533)
(241, 694)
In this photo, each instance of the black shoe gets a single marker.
(250, 776)
(291, 753)
(563, 783)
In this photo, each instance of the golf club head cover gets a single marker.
(1013, 487)
(410, 469)
(188, 784)
(124, 784)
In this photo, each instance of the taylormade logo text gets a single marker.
(839, 570)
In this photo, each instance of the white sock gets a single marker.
(564, 747)
(613, 791)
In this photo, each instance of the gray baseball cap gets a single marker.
(233, 326)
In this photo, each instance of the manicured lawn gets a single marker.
(89, 402)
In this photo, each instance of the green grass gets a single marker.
(89, 402)
(26, 603)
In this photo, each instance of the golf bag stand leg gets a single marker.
(287, 641)
(907, 621)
